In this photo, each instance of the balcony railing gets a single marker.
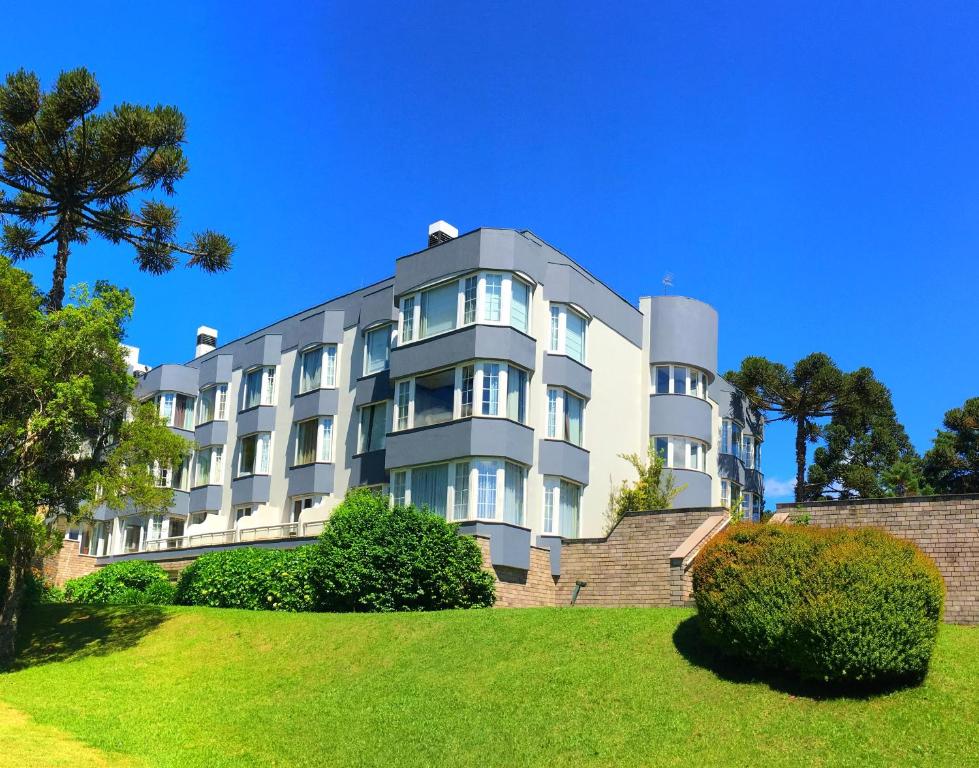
(233, 536)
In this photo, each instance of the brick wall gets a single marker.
(516, 588)
(945, 527)
(67, 564)
(631, 566)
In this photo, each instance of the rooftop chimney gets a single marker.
(441, 232)
(207, 340)
(132, 361)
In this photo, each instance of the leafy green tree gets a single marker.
(863, 445)
(952, 464)
(65, 395)
(655, 487)
(812, 390)
(67, 173)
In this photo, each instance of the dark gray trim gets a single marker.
(681, 415)
(253, 489)
(216, 370)
(478, 436)
(212, 433)
(206, 498)
(181, 504)
(377, 307)
(562, 459)
(509, 543)
(325, 327)
(562, 371)
(168, 378)
(261, 418)
(373, 388)
(553, 543)
(310, 478)
(318, 402)
(264, 350)
(368, 469)
(485, 342)
(683, 330)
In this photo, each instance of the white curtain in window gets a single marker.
(486, 489)
(430, 487)
(312, 369)
(439, 308)
(516, 394)
(572, 419)
(264, 441)
(330, 369)
(166, 407)
(570, 495)
(253, 388)
(325, 440)
(513, 510)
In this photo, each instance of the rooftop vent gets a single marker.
(207, 340)
(441, 232)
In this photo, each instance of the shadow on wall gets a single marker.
(51, 633)
(688, 641)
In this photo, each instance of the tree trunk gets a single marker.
(10, 613)
(57, 295)
(800, 460)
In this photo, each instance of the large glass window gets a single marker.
(403, 406)
(568, 332)
(516, 394)
(260, 386)
(318, 368)
(520, 305)
(399, 488)
(377, 348)
(562, 507)
(679, 380)
(434, 398)
(493, 298)
(565, 416)
(209, 466)
(470, 289)
(429, 487)
(314, 440)
(373, 426)
(748, 451)
(491, 389)
(176, 410)
(486, 489)
(681, 452)
(254, 452)
(460, 504)
(467, 381)
(513, 498)
(439, 307)
(212, 405)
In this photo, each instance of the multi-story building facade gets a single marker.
(491, 378)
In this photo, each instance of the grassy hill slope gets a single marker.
(555, 687)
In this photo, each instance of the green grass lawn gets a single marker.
(549, 687)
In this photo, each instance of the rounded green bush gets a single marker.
(125, 583)
(837, 605)
(374, 557)
(252, 578)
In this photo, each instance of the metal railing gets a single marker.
(233, 536)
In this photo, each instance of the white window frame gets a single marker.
(551, 505)
(748, 450)
(324, 452)
(555, 428)
(313, 503)
(242, 512)
(220, 403)
(684, 444)
(216, 464)
(693, 374)
(328, 373)
(557, 344)
(268, 383)
(388, 417)
(368, 332)
(268, 438)
(170, 418)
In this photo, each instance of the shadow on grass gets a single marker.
(51, 633)
(691, 645)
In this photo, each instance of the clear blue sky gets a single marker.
(812, 172)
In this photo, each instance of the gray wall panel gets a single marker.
(475, 341)
(368, 469)
(697, 492)
(263, 350)
(319, 402)
(206, 498)
(321, 328)
(311, 478)
(562, 371)
(216, 370)
(377, 306)
(682, 415)
(509, 543)
(556, 457)
(258, 419)
(683, 330)
(569, 284)
(466, 437)
(212, 433)
(253, 489)
(181, 504)
(373, 389)
(168, 378)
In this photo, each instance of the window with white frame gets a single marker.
(756, 507)
(377, 349)
(565, 416)
(490, 489)
(318, 368)
(260, 386)
(748, 451)
(176, 410)
(485, 388)
(254, 454)
(243, 513)
(568, 331)
(177, 477)
(486, 297)
(300, 504)
(212, 405)
(562, 507)
(209, 466)
(373, 426)
(729, 492)
(314, 440)
(731, 437)
(679, 380)
(681, 452)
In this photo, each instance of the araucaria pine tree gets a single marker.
(68, 172)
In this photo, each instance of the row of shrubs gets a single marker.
(370, 557)
(843, 605)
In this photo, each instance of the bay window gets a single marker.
(498, 489)
(679, 380)
(475, 389)
(568, 332)
(209, 466)
(314, 440)
(176, 410)
(177, 477)
(318, 368)
(260, 386)
(681, 452)
(485, 297)
(562, 507)
(212, 405)
(377, 350)
(565, 416)
(254, 454)
(373, 426)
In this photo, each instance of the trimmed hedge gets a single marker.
(374, 557)
(130, 582)
(835, 605)
(252, 578)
